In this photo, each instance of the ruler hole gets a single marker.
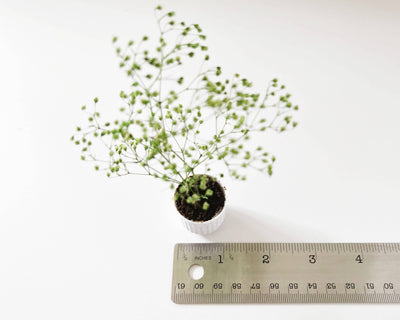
(196, 272)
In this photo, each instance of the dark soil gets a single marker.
(196, 212)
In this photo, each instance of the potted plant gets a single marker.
(183, 122)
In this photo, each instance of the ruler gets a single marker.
(287, 273)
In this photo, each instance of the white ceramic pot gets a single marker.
(209, 226)
(205, 227)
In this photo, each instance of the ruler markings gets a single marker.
(285, 298)
(377, 269)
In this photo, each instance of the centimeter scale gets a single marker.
(287, 273)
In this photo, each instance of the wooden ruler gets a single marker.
(287, 273)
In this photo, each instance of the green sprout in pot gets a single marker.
(181, 120)
(199, 197)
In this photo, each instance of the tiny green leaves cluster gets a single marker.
(179, 117)
(195, 191)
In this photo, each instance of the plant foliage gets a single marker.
(180, 116)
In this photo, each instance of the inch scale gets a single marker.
(287, 273)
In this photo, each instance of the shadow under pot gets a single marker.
(200, 200)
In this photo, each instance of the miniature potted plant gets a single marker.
(183, 122)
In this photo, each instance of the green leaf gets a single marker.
(203, 185)
(190, 200)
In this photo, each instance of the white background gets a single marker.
(75, 245)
